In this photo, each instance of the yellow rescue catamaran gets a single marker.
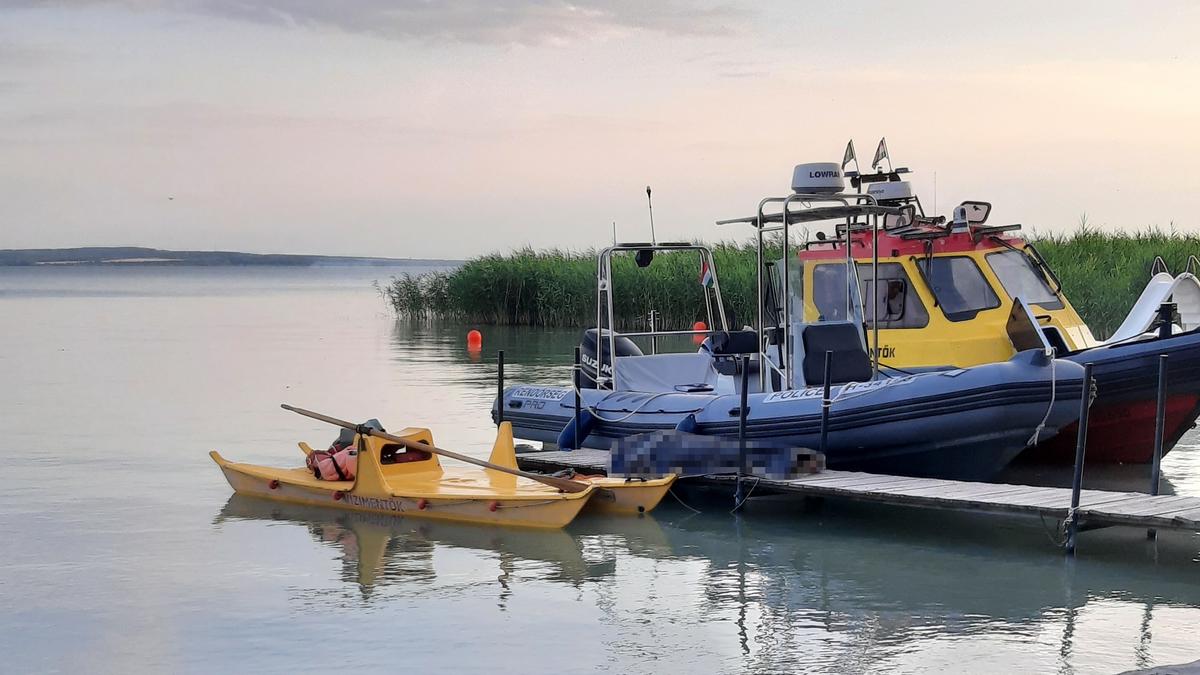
(401, 474)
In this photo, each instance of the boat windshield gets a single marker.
(1020, 278)
(834, 297)
(959, 286)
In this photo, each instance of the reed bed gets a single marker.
(1101, 272)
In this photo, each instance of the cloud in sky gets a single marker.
(523, 22)
(450, 129)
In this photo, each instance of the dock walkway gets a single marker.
(1097, 508)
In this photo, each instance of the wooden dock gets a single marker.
(1097, 508)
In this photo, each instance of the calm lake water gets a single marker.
(123, 550)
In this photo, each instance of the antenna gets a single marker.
(614, 233)
(650, 203)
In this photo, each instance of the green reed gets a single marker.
(1102, 274)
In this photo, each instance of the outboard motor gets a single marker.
(588, 352)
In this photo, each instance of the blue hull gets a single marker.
(963, 424)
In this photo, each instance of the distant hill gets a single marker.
(137, 255)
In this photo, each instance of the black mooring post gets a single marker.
(1085, 404)
(499, 387)
(826, 402)
(743, 412)
(1166, 319)
(1160, 423)
(575, 381)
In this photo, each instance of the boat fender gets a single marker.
(338, 496)
(421, 504)
(687, 425)
(566, 437)
(274, 484)
(493, 506)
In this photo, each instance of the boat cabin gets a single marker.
(933, 293)
(941, 292)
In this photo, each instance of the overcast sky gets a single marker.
(448, 129)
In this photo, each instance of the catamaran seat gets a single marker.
(849, 363)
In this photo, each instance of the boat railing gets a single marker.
(605, 312)
(854, 209)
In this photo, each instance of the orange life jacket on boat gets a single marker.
(337, 463)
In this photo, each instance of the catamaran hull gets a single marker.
(963, 424)
(549, 512)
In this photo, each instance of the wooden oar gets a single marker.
(559, 483)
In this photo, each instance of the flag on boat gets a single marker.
(849, 156)
(881, 154)
(706, 274)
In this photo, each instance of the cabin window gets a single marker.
(1021, 278)
(959, 286)
(892, 296)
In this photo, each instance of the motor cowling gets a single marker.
(588, 352)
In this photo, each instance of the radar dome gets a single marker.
(818, 178)
(891, 190)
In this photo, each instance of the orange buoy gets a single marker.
(474, 340)
(699, 336)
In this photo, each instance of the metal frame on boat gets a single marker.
(605, 310)
(853, 207)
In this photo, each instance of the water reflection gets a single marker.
(856, 583)
(531, 354)
(378, 550)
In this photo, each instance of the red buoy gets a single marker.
(474, 340)
(699, 326)
(421, 504)
(493, 506)
(337, 496)
(274, 484)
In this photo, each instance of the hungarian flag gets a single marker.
(706, 274)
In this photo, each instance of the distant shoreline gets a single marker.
(140, 256)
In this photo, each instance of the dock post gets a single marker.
(743, 411)
(1166, 318)
(499, 387)
(1160, 420)
(826, 402)
(575, 381)
(1085, 404)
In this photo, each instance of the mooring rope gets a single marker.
(745, 499)
(671, 492)
(596, 413)
(1050, 408)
